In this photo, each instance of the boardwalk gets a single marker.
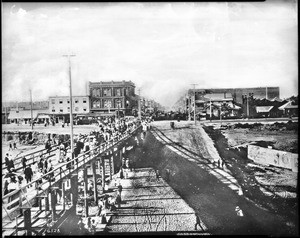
(23, 197)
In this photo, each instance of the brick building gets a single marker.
(107, 98)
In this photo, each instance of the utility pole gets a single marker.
(210, 107)
(71, 103)
(31, 109)
(247, 106)
(194, 102)
(189, 106)
(139, 104)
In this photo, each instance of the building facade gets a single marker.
(237, 93)
(59, 107)
(108, 98)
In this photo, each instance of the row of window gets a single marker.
(62, 110)
(106, 103)
(60, 101)
(108, 92)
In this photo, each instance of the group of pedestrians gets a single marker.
(12, 146)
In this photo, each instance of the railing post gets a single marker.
(103, 173)
(74, 189)
(63, 194)
(27, 221)
(95, 182)
(110, 166)
(85, 191)
(47, 200)
(53, 203)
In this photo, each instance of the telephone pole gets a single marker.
(139, 104)
(31, 109)
(71, 103)
(194, 102)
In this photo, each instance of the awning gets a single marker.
(264, 109)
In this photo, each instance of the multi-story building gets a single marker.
(107, 98)
(59, 107)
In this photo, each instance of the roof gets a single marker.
(291, 106)
(219, 97)
(276, 99)
(282, 107)
(26, 114)
(264, 109)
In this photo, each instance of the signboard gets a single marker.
(277, 158)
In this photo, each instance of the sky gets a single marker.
(163, 48)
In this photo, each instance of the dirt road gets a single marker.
(213, 200)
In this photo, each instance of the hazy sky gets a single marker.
(162, 47)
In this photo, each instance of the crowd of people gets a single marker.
(111, 129)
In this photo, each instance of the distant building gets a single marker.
(288, 109)
(59, 107)
(23, 116)
(237, 93)
(7, 107)
(108, 98)
(230, 96)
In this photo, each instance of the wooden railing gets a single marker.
(17, 198)
(32, 157)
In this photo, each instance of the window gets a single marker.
(84, 100)
(94, 92)
(60, 101)
(68, 109)
(94, 104)
(53, 110)
(68, 101)
(107, 103)
(76, 100)
(107, 92)
(52, 101)
(84, 109)
(118, 92)
(61, 110)
(76, 109)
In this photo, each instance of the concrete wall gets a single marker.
(277, 158)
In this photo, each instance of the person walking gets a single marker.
(120, 188)
(15, 145)
(10, 147)
(6, 160)
(24, 163)
(198, 223)
(68, 165)
(45, 166)
(28, 174)
(39, 179)
(11, 165)
(41, 164)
